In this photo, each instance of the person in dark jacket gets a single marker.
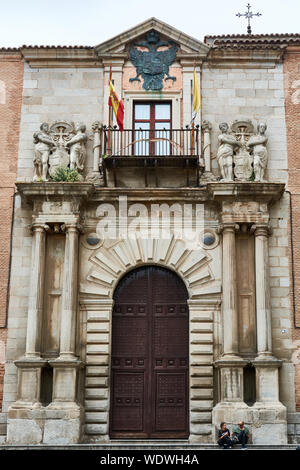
(224, 437)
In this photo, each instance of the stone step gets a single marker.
(142, 445)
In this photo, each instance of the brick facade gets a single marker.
(292, 108)
(11, 84)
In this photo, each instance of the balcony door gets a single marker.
(152, 124)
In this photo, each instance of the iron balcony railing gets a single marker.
(151, 142)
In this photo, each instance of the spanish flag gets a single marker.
(196, 94)
(117, 105)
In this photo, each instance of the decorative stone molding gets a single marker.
(189, 47)
(112, 260)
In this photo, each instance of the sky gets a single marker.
(91, 22)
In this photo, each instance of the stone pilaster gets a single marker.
(29, 368)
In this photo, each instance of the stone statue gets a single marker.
(227, 146)
(43, 146)
(77, 148)
(257, 144)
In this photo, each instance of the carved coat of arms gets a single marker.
(243, 160)
(152, 64)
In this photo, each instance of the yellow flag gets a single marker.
(196, 93)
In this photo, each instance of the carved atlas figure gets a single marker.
(227, 146)
(257, 144)
(152, 64)
(77, 148)
(42, 148)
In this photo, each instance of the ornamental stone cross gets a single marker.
(249, 15)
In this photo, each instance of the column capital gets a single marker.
(228, 227)
(261, 229)
(39, 227)
(72, 227)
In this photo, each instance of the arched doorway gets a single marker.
(150, 356)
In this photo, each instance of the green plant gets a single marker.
(252, 177)
(65, 174)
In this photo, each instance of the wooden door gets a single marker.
(150, 338)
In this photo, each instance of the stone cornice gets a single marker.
(244, 58)
(41, 57)
(217, 191)
(55, 189)
(261, 192)
(150, 194)
(10, 55)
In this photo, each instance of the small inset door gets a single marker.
(150, 356)
(152, 124)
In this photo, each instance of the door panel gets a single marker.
(149, 393)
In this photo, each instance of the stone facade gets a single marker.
(11, 82)
(241, 346)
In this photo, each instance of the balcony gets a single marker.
(147, 156)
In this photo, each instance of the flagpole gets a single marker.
(109, 113)
(193, 120)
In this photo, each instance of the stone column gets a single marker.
(69, 294)
(36, 292)
(263, 313)
(229, 296)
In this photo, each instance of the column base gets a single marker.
(44, 426)
(29, 382)
(65, 373)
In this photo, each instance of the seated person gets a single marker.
(224, 437)
(241, 434)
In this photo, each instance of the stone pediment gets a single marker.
(187, 46)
